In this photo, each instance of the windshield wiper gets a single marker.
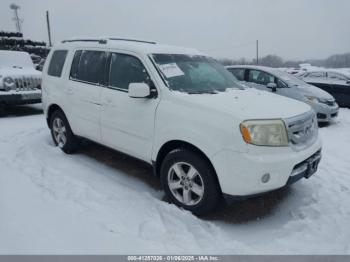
(203, 92)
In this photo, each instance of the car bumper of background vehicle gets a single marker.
(22, 98)
(260, 170)
(326, 113)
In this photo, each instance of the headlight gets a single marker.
(312, 99)
(264, 132)
(8, 83)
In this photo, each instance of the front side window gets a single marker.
(238, 73)
(126, 69)
(260, 77)
(57, 62)
(194, 73)
(89, 66)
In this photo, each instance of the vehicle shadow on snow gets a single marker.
(121, 162)
(18, 111)
(238, 212)
(252, 209)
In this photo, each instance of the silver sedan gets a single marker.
(282, 83)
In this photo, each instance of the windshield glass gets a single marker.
(194, 74)
(289, 79)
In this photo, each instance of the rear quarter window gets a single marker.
(57, 62)
(238, 73)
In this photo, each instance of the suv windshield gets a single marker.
(194, 74)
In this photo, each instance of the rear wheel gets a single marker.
(62, 134)
(190, 182)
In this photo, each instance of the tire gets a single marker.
(62, 134)
(197, 188)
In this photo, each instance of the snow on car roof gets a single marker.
(138, 46)
(262, 68)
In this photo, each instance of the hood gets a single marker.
(19, 71)
(310, 90)
(246, 104)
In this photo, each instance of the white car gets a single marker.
(20, 83)
(182, 112)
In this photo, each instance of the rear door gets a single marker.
(87, 76)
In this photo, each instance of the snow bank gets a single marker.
(101, 202)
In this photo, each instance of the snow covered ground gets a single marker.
(101, 202)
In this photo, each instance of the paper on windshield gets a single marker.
(171, 70)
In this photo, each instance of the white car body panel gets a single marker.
(141, 126)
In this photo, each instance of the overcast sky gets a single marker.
(293, 29)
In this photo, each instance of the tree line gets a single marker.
(334, 61)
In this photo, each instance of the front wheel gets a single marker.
(190, 182)
(62, 134)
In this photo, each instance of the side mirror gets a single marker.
(139, 90)
(272, 86)
(348, 82)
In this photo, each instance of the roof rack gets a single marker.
(100, 41)
(104, 40)
(133, 40)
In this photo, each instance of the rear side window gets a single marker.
(89, 66)
(56, 64)
(238, 73)
(126, 69)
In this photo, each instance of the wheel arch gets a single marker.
(51, 109)
(176, 144)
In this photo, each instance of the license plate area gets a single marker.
(30, 96)
(312, 165)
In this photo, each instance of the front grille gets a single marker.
(27, 83)
(302, 130)
(321, 116)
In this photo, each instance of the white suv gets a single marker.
(182, 112)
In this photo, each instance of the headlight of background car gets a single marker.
(313, 99)
(8, 83)
(264, 132)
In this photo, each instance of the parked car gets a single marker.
(335, 83)
(182, 112)
(20, 83)
(40, 66)
(282, 83)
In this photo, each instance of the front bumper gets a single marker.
(326, 113)
(240, 174)
(20, 98)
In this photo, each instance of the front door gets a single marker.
(127, 124)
